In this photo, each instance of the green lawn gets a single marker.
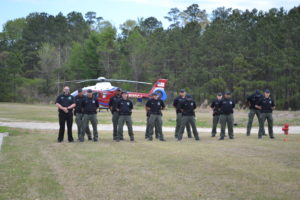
(48, 113)
(34, 166)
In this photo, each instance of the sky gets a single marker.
(118, 11)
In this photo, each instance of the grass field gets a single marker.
(48, 113)
(33, 166)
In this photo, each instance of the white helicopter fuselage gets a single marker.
(102, 86)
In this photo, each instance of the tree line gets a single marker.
(233, 50)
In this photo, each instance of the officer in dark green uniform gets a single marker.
(147, 123)
(113, 102)
(177, 103)
(124, 108)
(187, 108)
(90, 106)
(65, 104)
(154, 106)
(226, 117)
(79, 115)
(266, 105)
(252, 100)
(216, 113)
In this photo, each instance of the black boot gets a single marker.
(132, 138)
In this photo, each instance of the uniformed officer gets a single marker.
(113, 102)
(226, 117)
(216, 113)
(90, 105)
(79, 115)
(154, 106)
(176, 103)
(266, 105)
(187, 108)
(252, 100)
(147, 123)
(124, 108)
(65, 104)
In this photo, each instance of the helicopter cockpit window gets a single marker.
(96, 95)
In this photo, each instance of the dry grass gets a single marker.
(29, 112)
(34, 166)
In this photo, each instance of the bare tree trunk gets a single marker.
(135, 68)
(58, 79)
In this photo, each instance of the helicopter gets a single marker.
(103, 90)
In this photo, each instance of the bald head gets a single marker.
(66, 90)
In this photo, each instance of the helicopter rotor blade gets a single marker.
(105, 80)
(73, 81)
(127, 81)
(89, 80)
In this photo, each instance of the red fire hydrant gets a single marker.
(286, 128)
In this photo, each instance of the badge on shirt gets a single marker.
(192, 103)
(70, 98)
(158, 103)
(230, 102)
(128, 103)
(93, 101)
(62, 97)
(270, 102)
